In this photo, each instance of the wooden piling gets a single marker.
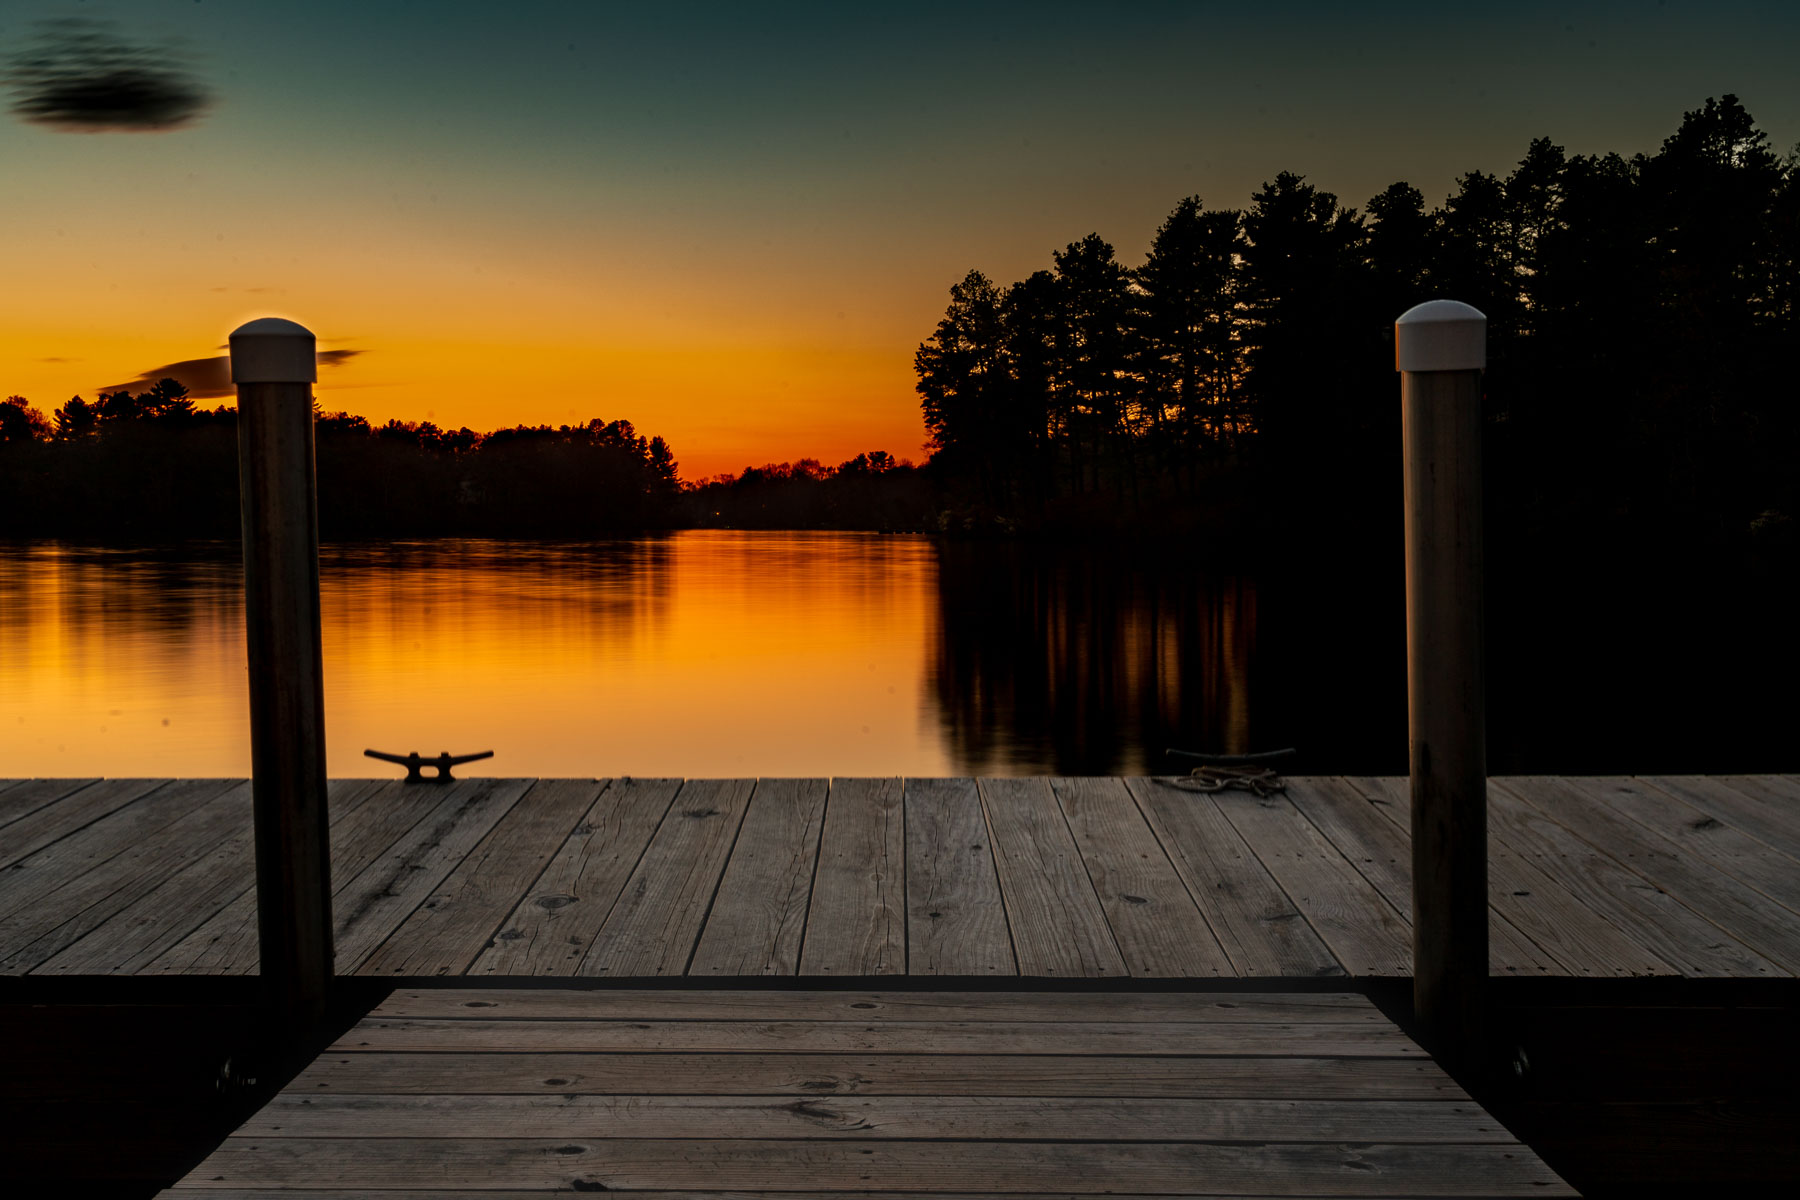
(1441, 352)
(273, 363)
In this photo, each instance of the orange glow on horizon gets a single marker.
(722, 408)
(486, 332)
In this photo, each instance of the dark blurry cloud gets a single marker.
(208, 378)
(79, 77)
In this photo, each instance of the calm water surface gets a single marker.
(696, 654)
(715, 653)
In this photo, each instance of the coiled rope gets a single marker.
(1260, 781)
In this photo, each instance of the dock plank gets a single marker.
(22, 797)
(960, 1118)
(775, 1104)
(1365, 933)
(856, 923)
(1721, 898)
(877, 1074)
(653, 928)
(459, 919)
(1155, 923)
(1058, 925)
(44, 849)
(1538, 906)
(1377, 848)
(758, 917)
(789, 1074)
(367, 815)
(1588, 877)
(516, 1194)
(1256, 923)
(641, 1004)
(1707, 838)
(1597, 881)
(1763, 806)
(1212, 1038)
(383, 894)
(550, 930)
(955, 917)
(132, 938)
(209, 809)
(848, 1166)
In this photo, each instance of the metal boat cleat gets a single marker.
(415, 765)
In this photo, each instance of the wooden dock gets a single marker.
(1188, 1009)
(1696, 877)
(492, 1092)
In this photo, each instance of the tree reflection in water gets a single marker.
(1079, 661)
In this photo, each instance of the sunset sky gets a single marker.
(733, 225)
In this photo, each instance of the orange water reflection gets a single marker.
(700, 653)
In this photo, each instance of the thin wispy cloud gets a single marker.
(80, 77)
(210, 378)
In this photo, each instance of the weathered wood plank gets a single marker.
(1256, 924)
(84, 812)
(46, 849)
(887, 1037)
(1707, 838)
(1290, 1076)
(194, 911)
(1782, 791)
(656, 922)
(758, 917)
(384, 893)
(1365, 933)
(1762, 806)
(366, 816)
(552, 928)
(955, 917)
(710, 1194)
(224, 877)
(1671, 930)
(638, 1004)
(1058, 926)
(846, 1166)
(460, 917)
(856, 923)
(133, 936)
(209, 809)
(22, 797)
(1537, 905)
(962, 1118)
(1724, 900)
(1154, 920)
(1377, 848)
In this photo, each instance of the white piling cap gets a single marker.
(273, 350)
(1441, 335)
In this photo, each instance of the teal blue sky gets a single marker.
(708, 180)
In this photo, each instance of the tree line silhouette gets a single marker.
(873, 491)
(154, 465)
(1642, 316)
(1642, 319)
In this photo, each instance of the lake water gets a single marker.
(698, 653)
(718, 653)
